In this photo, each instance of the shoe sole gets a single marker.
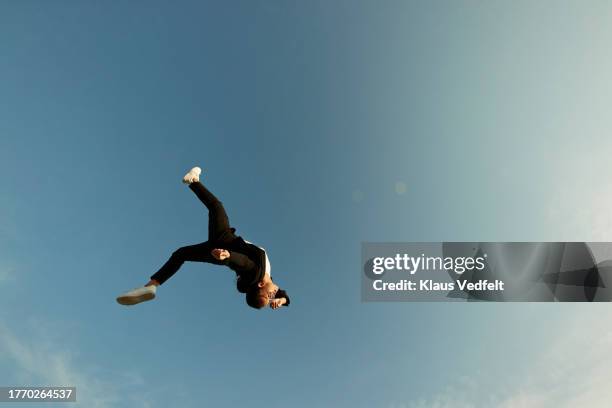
(133, 300)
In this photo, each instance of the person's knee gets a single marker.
(180, 253)
(216, 205)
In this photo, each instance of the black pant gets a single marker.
(220, 235)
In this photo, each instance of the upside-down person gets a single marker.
(250, 262)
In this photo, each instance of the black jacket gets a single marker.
(249, 263)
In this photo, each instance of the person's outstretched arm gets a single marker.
(235, 260)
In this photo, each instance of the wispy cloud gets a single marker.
(38, 358)
(572, 372)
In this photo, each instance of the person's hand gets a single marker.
(276, 303)
(220, 254)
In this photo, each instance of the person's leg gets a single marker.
(198, 253)
(218, 223)
(193, 253)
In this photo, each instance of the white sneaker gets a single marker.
(137, 295)
(192, 176)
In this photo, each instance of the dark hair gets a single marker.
(254, 298)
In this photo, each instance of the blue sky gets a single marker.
(304, 116)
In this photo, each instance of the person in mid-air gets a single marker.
(249, 261)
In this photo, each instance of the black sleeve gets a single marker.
(239, 262)
(282, 294)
